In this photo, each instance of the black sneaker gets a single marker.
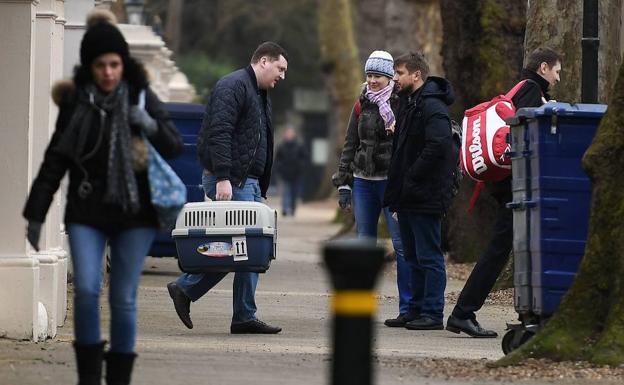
(182, 304)
(400, 320)
(424, 323)
(254, 327)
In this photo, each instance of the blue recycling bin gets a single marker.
(187, 118)
(551, 201)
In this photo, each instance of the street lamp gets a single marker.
(134, 10)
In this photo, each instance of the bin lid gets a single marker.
(185, 110)
(564, 109)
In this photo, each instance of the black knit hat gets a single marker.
(102, 37)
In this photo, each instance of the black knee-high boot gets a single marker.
(89, 363)
(119, 368)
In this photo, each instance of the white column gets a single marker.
(75, 17)
(19, 271)
(43, 118)
(58, 249)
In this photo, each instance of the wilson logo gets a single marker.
(476, 149)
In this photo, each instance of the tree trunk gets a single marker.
(343, 75)
(611, 46)
(174, 24)
(482, 53)
(400, 26)
(589, 324)
(559, 25)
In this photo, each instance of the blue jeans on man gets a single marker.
(421, 236)
(368, 198)
(290, 194)
(244, 286)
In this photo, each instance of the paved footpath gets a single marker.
(293, 294)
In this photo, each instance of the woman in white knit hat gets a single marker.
(363, 166)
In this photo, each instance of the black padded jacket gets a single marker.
(230, 135)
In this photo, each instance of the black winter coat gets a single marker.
(421, 170)
(529, 95)
(92, 210)
(367, 148)
(291, 158)
(230, 135)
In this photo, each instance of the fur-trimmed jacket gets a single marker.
(368, 147)
(92, 210)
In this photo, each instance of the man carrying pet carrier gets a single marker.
(542, 70)
(235, 147)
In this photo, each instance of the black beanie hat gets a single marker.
(102, 37)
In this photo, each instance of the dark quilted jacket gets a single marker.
(368, 148)
(421, 170)
(230, 135)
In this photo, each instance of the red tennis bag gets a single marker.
(484, 138)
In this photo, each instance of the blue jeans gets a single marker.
(290, 193)
(367, 205)
(127, 252)
(244, 287)
(421, 234)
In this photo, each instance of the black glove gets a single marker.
(138, 116)
(33, 232)
(344, 198)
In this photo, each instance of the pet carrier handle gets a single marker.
(521, 205)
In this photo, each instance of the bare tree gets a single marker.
(399, 26)
(174, 24)
(342, 71)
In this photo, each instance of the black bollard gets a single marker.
(353, 266)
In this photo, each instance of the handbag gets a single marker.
(167, 191)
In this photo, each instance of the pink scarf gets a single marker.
(382, 99)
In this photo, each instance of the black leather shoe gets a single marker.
(400, 321)
(468, 326)
(254, 327)
(424, 323)
(182, 304)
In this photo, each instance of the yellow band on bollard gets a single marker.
(354, 303)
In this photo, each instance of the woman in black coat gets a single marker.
(99, 140)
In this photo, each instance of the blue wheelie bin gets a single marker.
(187, 118)
(551, 206)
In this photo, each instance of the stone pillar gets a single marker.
(43, 118)
(19, 271)
(75, 17)
(59, 249)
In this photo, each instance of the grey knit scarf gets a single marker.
(104, 112)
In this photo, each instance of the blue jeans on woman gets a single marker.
(421, 235)
(244, 286)
(367, 205)
(127, 252)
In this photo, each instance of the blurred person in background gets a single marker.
(363, 166)
(99, 139)
(290, 161)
